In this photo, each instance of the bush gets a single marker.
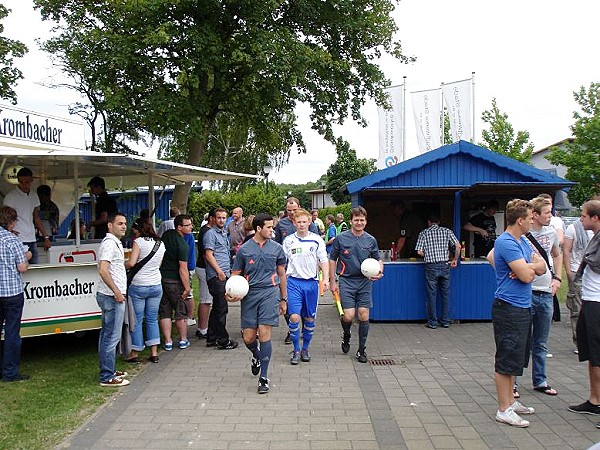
(252, 199)
(344, 208)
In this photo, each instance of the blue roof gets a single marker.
(457, 165)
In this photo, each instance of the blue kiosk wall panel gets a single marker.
(400, 294)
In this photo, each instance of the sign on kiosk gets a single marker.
(19, 126)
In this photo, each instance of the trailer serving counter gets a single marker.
(400, 294)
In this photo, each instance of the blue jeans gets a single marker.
(146, 300)
(113, 314)
(541, 313)
(11, 309)
(437, 275)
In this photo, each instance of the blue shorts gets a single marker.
(303, 297)
(356, 292)
(260, 307)
(512, 333)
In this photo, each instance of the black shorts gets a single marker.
(512, 333)
(172, 301)
(588, 333)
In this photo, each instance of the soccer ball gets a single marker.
(237, 286)
(370, 267)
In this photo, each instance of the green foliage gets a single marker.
(346, 168)
(253, 199)
(299, 190)
(447, 131)
(581, 157)
(344, 208)
(172, 69)
(501, 137)
(9, 50)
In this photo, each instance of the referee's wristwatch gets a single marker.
(283, 300)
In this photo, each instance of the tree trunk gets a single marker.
(182, 191)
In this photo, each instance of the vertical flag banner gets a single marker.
(391, 129)
(457, 96)
(427, 110)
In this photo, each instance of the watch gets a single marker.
(283, 300)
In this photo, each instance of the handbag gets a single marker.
(132, 272)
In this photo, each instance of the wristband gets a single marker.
(554, 277)
(283, 300)
(46, 238)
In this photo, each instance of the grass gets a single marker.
(62, 392)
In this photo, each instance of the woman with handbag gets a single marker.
(144, 288)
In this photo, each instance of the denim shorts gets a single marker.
(512, 333)
(588, 333)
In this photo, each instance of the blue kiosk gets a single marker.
(454, 181)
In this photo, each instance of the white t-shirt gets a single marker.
(149, 275)
(548, 240)
(590, 286)
(557, 223)
(576, 255)
(111, 250)
(24, 204)
(304, 254)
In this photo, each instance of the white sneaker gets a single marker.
(549, 355)
(520, 408)
(511, 418)
(191, 322)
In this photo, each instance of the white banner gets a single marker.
(427, 111)
(19, 127)
(391, 129)
(457, 96)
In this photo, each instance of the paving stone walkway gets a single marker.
(422, 389)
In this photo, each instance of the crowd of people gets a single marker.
(284, 259)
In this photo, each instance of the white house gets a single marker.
(538, 160)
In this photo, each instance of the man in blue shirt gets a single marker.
(348, 252)
(13, 262)
(262, 262)
(516, 266)
(218, 270)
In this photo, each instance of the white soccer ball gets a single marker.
(237, 286)
(370, 267)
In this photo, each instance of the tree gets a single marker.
(447, 137)
(581, 157)
(501, 138)
(346, 168)
(9, 50)
(172, 68)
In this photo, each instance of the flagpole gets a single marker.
(473, 106)
(404, 120)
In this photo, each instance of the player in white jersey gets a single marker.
(306, 253)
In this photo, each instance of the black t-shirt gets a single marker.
(104, 203)
(483, 245)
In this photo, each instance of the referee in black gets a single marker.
(433, 244)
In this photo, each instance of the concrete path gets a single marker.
(422, 389)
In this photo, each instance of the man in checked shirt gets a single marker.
(433, 244)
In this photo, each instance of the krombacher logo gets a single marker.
(57, 289)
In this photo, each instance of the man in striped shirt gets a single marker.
(433, 244)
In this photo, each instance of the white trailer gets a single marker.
(60, 292)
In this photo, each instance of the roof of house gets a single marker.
(458, 166)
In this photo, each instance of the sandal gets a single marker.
(133, 360)
(153, 359)
(546, 390)
(516, 393)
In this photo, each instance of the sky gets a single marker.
(529, 55)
